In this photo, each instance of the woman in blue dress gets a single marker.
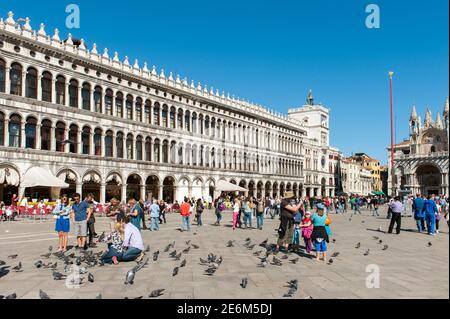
(62, 227)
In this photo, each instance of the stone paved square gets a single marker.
(408, 269)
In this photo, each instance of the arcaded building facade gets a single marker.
(113, 128)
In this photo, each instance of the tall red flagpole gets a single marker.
(392, 133)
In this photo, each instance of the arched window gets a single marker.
(46, 85)
(86, 140)
(15, 76)
(109, 96)
(156, 152)
(30, 133)
(98, 94)
(200, 120)
(139, 109)
(213, 127)
(156, 110)
(109, 144)
(46, 135)
(130, 147)
(2, 75)
(86, 96)
(129, 107)
(187, 121)
(165, 151)
(2, 128)
(119, 145)
(119, 104)
(213, 158)
(172, 117)
(148, 112)
(73, 138)
(31, 86)
(59, 136)
(148, 149)
(60, 87)
(15, 132)
(201, 155)
(164, 114)
(194, 122)
(180, 119)
(73, 93)
(139, 148)
(98, 142)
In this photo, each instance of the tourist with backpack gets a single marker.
(260, 214)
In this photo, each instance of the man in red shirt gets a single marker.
(185, 211)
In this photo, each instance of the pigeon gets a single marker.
(219, 260)
(43, 295)
(183, 263)
(173, 254)
(188, 242)
(147, 250)
(50, 248)
(362, 222)
(76, 281)
(202, 261)
(18, 268)
(212, 258)
(244, 283)
(385, 247)
(72, 255)
(78, 261)
(264, 243)
(336, 254)
(155, 256)
(290, 293)
(248, 240)
(90, 277)
(13, 256)
(195, 246)
(257, 253)
(2, 263)
(175, 271)
(276, 261)
(210, 271)
(430, 244)
(11, 296)
(156, 293)
(285, 257)
(167, 248)
(379, 229)
(251, 247)
(101, 238)
(375, 237)
(330, 262)
(358, 245)
(230, 243)
(262, 264)
(334, 241)
(129, 279)
(367, 252)
(186, 250)
(294, 261)
(58, 276)
(99, 296)
(178, 257)
(46, 255)
(38, 264)
(172, 244)
(293, 284)
(141, 265)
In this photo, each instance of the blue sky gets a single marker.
(272, 53)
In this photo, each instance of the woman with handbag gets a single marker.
(199, 207)
(62, 215)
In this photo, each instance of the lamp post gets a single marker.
(392, 133)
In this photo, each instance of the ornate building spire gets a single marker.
(413, 117)
(310, 98)
(428, 120)
(446, 108)
(438, 123)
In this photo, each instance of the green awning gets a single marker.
(379, 193)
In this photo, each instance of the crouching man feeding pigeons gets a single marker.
(133, 246)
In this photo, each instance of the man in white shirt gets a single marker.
(133, 245)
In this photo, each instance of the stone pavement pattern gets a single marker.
(408, 269)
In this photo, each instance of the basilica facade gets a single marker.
(116, 129)
(421, 161)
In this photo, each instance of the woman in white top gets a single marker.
(236, 209)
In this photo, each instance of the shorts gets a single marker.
(62, 225)
(81, 228)
(321, 246)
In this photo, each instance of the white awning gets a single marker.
(41, 177)
(224, 186)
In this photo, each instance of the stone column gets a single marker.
(6, 131)
(66, 93)
(113, 103)
(114, 149)
(80, 141)
(7, 79)
(124, 193)
(79, 188)
(102, 193)
(38, 136)
(142, 192)
(66, 138)
(52, 139)
(22, 135)
(39, 87)
(161, 189)
(24, 82)
(80, 97)
(103, 148)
